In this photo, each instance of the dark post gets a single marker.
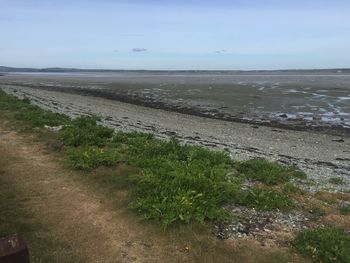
(13, 249)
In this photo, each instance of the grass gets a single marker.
(344, 209)
(336, 180)
(90, 157)
(165, 181)
(30, 114)
(270, 173)
(174, 183)
(324, 245)
(291, 189)
(16, 217)
(84, 131)
(178, 183)
(266, 199)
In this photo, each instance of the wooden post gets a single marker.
(13, 249)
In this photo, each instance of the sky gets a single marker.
(175, 35)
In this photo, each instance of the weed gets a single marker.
(324, 245)
(89, 157)
(318, 210)
(85, 131)
(265, 199)
(344, 209)
(290, 188)
(179, 183)
(270, 173)
(336, 180)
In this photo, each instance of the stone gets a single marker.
(13, 249)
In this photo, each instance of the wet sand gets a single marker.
(320, 155)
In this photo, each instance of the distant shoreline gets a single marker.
(4, 69)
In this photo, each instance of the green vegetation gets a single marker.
(270, 173)
(165, 181)
(179, 183)
(336, 180)
(291, 189)
(89, 157)
(324, 245)
(344, 209)
(30, 114)
(265, 199)
(174, 183)
(85, 131)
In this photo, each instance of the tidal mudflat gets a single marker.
(297, 100)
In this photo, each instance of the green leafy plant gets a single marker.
(344, 209)
(292, 189)
(31, 114)
(85, 131)
(265, 199)
(89, 157)
(336, 180)
(270, 173)
(326, 245)
(179, 183)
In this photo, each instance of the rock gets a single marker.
(283, 115)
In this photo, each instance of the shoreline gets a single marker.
(294, 125)
(321, 156)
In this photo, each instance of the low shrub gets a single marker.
(270, 173)
(89, 157)
(324, 245)
(85, 131)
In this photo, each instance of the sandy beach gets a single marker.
(321, 156)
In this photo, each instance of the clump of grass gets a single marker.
(270, 173)
(85, 131)
(31, 114)
(344, 209)
(324, 245)
(336, 180)
(318, 210)
(179, 183)
(265, 199)
(291, 189)
(89, 157)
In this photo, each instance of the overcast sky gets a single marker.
(185, 34)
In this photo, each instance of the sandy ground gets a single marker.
(321, 156)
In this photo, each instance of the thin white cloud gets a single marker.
(139, 50)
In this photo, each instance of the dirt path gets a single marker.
(97, 232)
